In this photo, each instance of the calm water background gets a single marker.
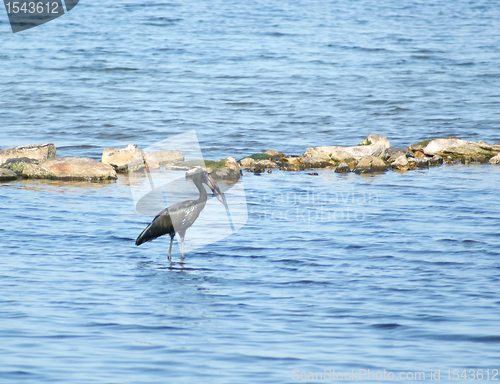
(397, 272)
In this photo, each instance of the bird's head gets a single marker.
(201, 175)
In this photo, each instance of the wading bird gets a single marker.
(179, 217)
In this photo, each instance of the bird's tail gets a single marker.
(145, 236)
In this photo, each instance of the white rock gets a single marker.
(457, 147)
(129, 159)
(345, 154)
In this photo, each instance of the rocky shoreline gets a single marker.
(374, 154)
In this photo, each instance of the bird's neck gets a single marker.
(203, 193)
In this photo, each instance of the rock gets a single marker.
(262, 156)
(266, 164)
(7, 175)
(293, 159)
(457, 147)
(418, 154)
(231, 163)
(481, 159)
(422, 162)
(247, 162)
(343, 168)
(376, 139)
(256, 171)
(370, 164)
(17, 164)
(495, 160)
(436, 160)
(70, 168)
(144, 160)
(411, 163)
(449, 160)
(392, 154)
(347, 154)
(230, 171)
(225, 173)
(129, 159)
(39, 152)
(291, 167)
(314, 162)
(401, 163)
(274, 153)
(373, 145)
(162, 158)
(419, 146)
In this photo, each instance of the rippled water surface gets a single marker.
(398, 271)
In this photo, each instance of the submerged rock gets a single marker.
(347, 154)
(70, 168)
(38, 152)
(370, 164)
(7, 175)
(343, 168)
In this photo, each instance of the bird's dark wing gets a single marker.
(161, 225)
(177, 217)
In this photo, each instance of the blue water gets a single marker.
(398, 271)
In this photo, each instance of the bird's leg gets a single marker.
(182, 247)
(170, 249)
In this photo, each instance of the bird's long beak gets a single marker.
(217, 192)
(220, 196)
